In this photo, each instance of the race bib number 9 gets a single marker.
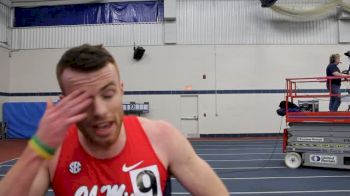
(146, 181)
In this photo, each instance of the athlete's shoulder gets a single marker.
(164, 138)
(161, 128)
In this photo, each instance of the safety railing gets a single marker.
(307, 92)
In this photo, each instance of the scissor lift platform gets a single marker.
(315, 138)
(318, 144)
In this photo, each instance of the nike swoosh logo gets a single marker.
(127, 169)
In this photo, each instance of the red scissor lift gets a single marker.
(315, 138)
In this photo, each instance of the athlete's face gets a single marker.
(105, 115)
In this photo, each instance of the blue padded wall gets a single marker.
(22, 118)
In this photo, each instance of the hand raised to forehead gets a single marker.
(57, 118)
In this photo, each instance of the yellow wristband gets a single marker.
(39, 150)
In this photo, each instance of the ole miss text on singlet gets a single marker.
(136, 170)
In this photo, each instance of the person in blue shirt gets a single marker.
(333, 85)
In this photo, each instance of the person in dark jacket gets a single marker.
(333, 85)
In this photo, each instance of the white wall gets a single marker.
(197, 22)
(246, 22)
(4, 75)
(5, 13)
(34, 70)
(4, 69)
(4, 52)
(70, 36)
(256, 49)
(246, 67)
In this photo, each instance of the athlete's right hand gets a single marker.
(57, 118)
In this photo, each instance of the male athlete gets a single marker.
(85, 146)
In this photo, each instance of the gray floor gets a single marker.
(256, 167)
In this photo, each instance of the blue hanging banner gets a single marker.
(96, 13)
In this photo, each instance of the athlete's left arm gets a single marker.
(189, 169)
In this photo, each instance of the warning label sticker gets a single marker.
(310, 139)
(327, 159)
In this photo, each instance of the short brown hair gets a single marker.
(333, 57)
(84, 58)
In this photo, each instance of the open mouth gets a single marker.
(103, 129)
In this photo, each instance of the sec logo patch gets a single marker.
(75, 167)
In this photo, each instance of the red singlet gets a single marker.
(136, 170)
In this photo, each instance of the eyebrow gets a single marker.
(108, 85)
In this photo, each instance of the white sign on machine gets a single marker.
(327, 159)
(310, 139)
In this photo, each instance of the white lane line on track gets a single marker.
(280, 177)
(275, 192)
(235, 149)
(225, 145)
(238, 168)
(244, 160)
(284, 177)
(237, 154)
(8, 160)
(237, 141)
(5, 166)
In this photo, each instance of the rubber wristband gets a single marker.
(40, 151)
(45, 147)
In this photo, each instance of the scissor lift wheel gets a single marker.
(292, 160)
